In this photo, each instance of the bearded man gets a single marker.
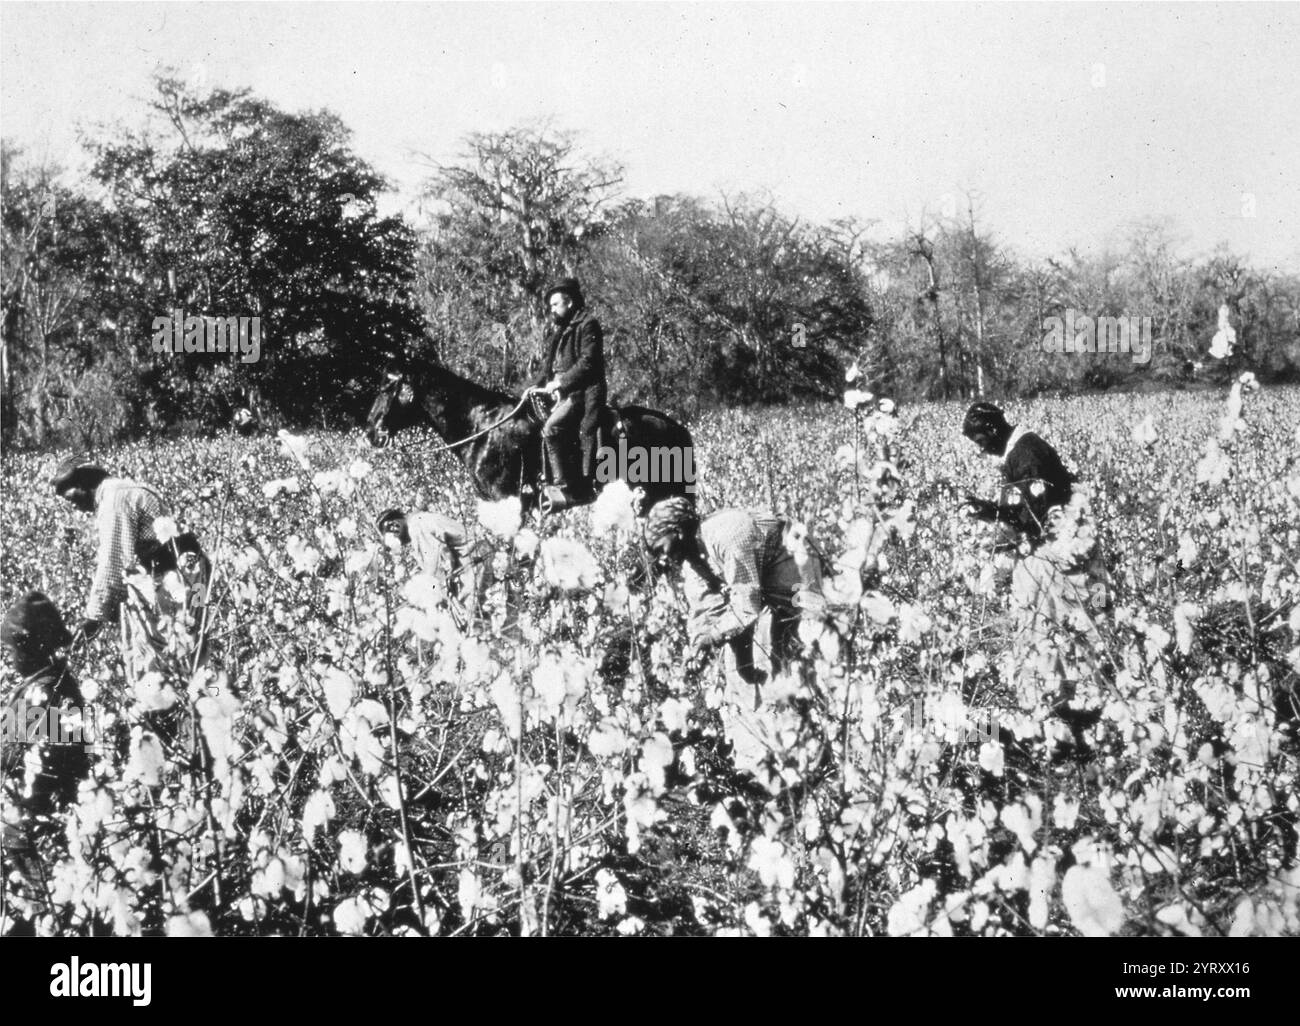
(573, 373)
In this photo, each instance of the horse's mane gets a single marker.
(439, 378)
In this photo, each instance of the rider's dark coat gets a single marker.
(575, 354)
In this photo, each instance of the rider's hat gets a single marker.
(570, 287)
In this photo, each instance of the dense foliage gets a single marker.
(358, 763)
(223, 206)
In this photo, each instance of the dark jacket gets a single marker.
(575, 354)
(32, 631)
(1034, 480)
(1031, 468)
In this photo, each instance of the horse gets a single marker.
(503, 454)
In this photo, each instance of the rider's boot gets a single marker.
(558, 494)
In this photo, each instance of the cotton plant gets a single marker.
(539, 761)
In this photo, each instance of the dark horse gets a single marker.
(646, 448)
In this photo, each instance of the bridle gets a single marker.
(398, 383)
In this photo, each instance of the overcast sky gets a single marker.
(1070, 121)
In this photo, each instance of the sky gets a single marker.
(1069, 123)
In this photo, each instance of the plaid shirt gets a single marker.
(744, 550)
(124, 516)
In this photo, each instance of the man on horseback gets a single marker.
(573, 372)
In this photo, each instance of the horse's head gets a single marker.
(395, 408)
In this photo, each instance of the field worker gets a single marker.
(125, 514)
(41, 766)
(1059, 575)
(573, 371)
(32, 634)
(734, 564)
(442, 549)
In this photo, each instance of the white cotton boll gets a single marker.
(611, 899)
(350, 917)
(317, 812)
(196, 924)
(1019, 821)
(549, 685)
(502, 518)
(1091, 901)
(526, 543)
(1185, 615)
(1175, 917)
(991, 758)
(1145, 432)
(390, 792)
(165, 529)
(153, 694)
(907, 915)
(297, 446)
(656, 757)
(614, 511)
(1226, 337)
(1064, 812)
(352, 852)
(505, 696)
(607, 740)
(306, 558)
(468, 893)
(674, 714)
(147, 760)
(340, 689)
(568, 564)
(855, 398)
(326, 481)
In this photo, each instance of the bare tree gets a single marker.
(529, 197)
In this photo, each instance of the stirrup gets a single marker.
(555, 499)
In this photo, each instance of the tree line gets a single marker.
(223, 206)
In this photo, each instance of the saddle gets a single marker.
(610, 428)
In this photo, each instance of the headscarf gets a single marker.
(671, 516)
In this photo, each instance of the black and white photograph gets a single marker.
(644, 470)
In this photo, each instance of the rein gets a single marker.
(491, 427)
